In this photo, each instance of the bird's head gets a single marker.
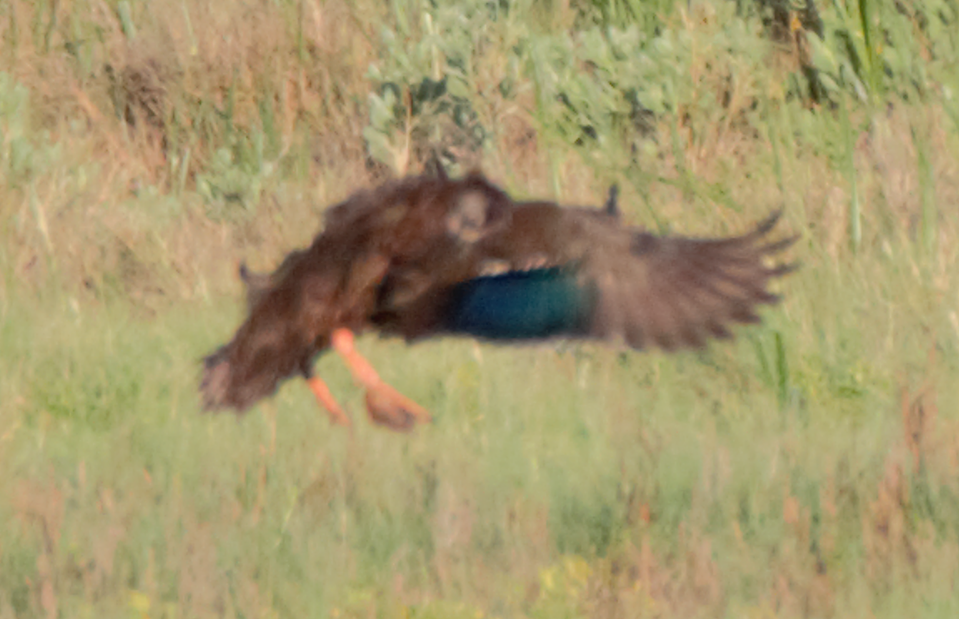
(476, 209)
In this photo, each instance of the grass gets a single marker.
(808, 469)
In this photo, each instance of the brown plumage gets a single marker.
(427, 256)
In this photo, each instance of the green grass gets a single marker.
(808, 469)
(550, 480)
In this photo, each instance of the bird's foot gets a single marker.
(388, 407)
(385, 405)
(337, 415)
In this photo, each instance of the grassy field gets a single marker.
(808, 469)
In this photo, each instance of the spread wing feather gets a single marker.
(636, 287)
(677, 292)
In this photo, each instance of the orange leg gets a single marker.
(386, 405)
(325, 398)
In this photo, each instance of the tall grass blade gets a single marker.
(191, 37)
(929, 213)
(782, 371)
(40, 220)
(849, 139)
(183, 171)
(126, 20)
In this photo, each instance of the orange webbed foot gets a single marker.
(385, 405)
(388, 407)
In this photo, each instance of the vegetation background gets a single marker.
(810, 469)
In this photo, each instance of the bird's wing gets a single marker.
(673, 291)
(573, 272)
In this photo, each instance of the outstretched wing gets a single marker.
(576, 273)
(676, 292)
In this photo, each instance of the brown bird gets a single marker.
(428, 256)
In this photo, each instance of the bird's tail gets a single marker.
(266, 350)
(219, 385)
(245, 371)
(215, 383)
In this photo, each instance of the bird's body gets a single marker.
(426, 256)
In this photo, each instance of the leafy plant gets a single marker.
(235, 176)
(24, 153)
(422, 99)
(869, 48)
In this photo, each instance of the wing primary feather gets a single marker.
(723, 306)
(745, 316)
(694, 286)
(717, 330)
(764, 226)
(682, 304)
(748, 275)
(758, 232)
(662, 329)
(744, 290)
(778, 246)
(783, 269)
